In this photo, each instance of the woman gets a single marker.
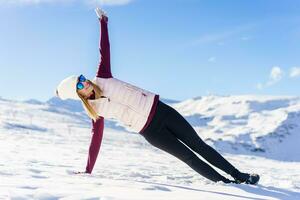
(142, 111)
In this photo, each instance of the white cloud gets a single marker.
(90, 2)
(212, 59)
(295, 72)
(275, 76)
(109, 2)
(219, 37)
(27, 2)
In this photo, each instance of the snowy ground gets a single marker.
(40, 150)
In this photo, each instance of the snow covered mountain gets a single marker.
(266, 126)
(42, 143)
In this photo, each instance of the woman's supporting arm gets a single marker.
(97, 131)
(104, 48)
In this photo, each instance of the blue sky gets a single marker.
(179, 49)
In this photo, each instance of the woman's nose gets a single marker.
(86, 84)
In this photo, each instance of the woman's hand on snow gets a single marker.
(71, 172)
(80, 173)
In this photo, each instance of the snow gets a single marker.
(43, 144)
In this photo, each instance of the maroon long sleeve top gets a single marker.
(104, 71)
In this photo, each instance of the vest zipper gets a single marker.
(105, 97)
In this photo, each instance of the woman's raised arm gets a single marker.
(104, 48)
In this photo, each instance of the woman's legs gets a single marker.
(170, 132)
(166, 141)
(178, 125)
(161, 137)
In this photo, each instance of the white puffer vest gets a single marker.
(124, 102)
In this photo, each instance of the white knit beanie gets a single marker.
(67, 88)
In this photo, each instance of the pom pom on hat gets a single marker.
(67, 88)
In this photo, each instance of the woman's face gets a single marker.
(87, 90)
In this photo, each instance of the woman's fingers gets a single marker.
(79, 172)
(100, 12)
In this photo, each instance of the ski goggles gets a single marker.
(79, 84)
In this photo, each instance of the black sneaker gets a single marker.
(247, 178)
(253, 179)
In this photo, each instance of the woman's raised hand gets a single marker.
(100, 13)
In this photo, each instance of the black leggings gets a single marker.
(169, 131)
